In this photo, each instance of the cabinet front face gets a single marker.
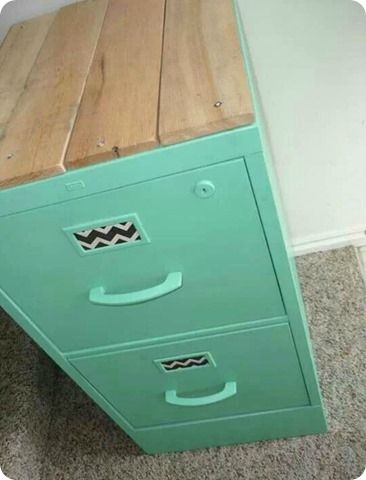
(176, 254)
(207, 378)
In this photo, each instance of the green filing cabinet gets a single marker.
(152, 266)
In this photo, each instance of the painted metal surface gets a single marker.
(262, 363)
(173, 282)
(223, 283)
(205, 208)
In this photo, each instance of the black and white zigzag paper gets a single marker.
(180, 363)
(107, 236)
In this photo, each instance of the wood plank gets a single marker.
(204, 85)
(119, 110)
(35, 140)
(18, 53)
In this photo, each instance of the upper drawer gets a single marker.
(202, 226)
(200, 379)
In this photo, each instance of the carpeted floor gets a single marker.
(81, 443)
(27, 379)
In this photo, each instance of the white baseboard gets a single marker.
(329, 241)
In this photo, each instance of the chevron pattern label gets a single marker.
(183, 363)
(107, 236)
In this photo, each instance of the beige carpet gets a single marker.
(83, 444)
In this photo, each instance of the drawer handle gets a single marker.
(172, 282)
(228, 391)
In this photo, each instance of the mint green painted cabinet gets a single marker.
(161, 281)
(204, 286)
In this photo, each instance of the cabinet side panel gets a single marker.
(286, 273)
(264, 184)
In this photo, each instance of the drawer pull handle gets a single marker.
(172, 282)
(228, 391)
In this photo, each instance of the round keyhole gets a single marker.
(204, 189)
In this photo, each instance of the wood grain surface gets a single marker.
(204, 88)
(34, 142)
(101, 79)
(17, 56)
(119, 111)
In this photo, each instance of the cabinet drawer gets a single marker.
(68, 266)
(212, 377)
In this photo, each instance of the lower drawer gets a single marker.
(209, 377)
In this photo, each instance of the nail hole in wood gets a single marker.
(116, 151)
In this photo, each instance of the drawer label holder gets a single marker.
(105, 235)
(185, 363)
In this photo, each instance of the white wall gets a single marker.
(309, 57)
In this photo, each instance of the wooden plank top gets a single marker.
(36, 136)
(101, 79)
(204, 88)
(112, 120)
(17, 56)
